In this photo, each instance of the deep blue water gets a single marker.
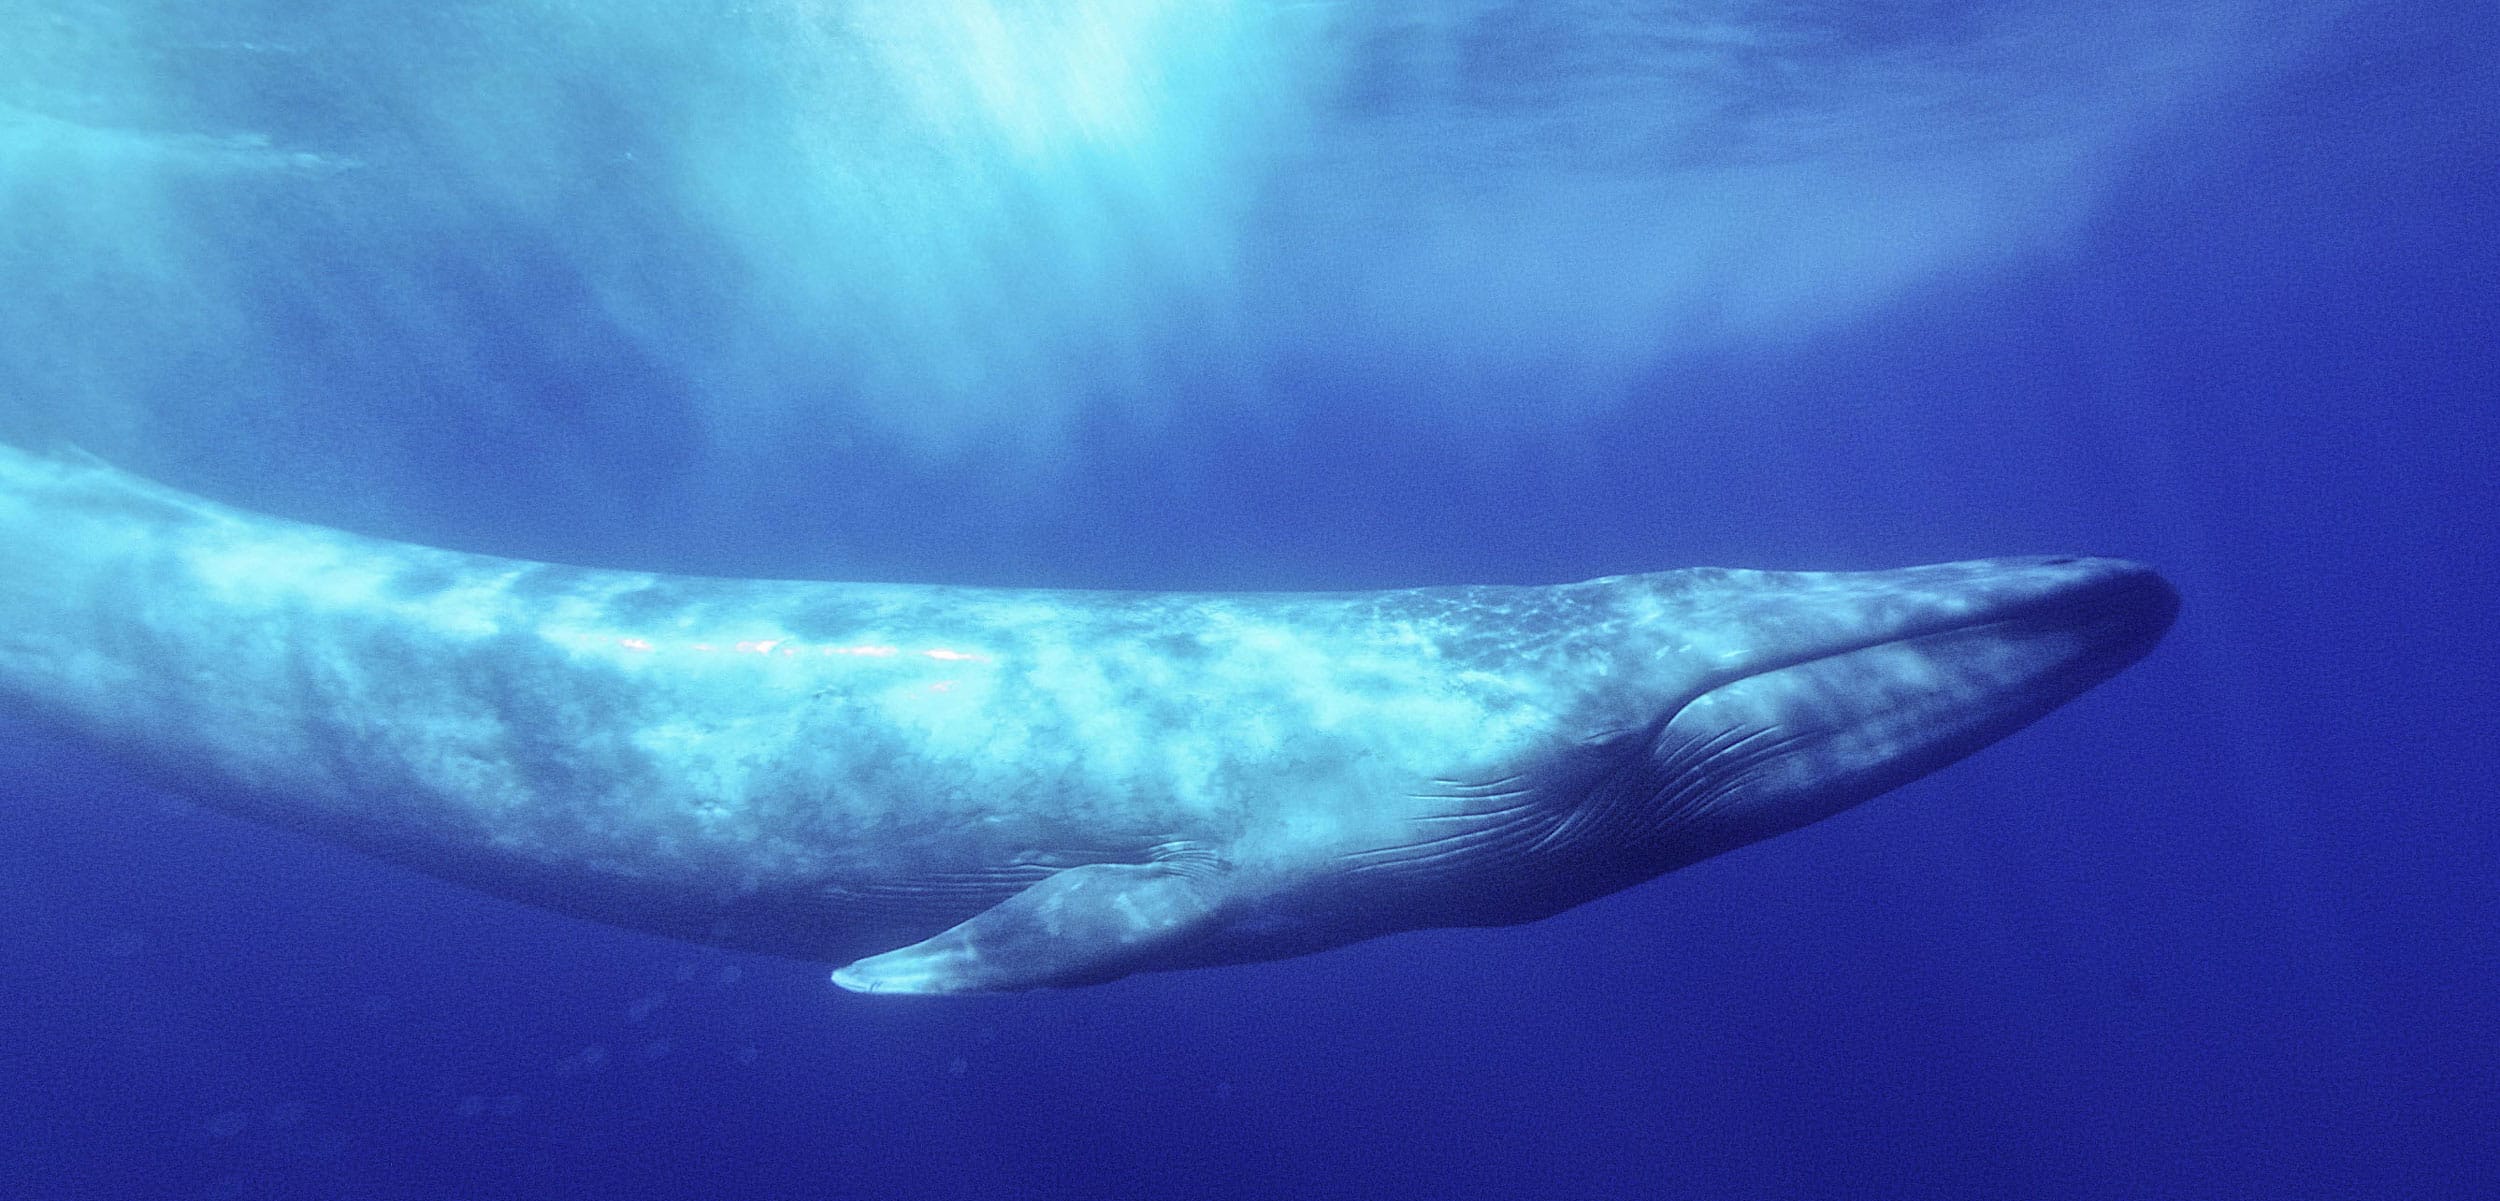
(1295, 295)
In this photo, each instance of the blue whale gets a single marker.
(950, 790)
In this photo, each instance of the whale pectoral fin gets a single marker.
(1084, 925)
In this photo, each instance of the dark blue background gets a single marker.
(2224, 927)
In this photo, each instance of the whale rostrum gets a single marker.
(950, 789)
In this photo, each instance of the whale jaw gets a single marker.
(1776, 700)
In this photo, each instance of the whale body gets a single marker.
(966, 789)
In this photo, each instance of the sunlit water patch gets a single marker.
(925, 224)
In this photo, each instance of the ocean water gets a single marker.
(1215, 295)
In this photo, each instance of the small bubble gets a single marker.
(957, 1066)
(657, 1048)
(748, 1055)
(685, 973)
(287, 1114)
(508, 1105)
(125, 944)
(644, 1007)
(728, 975)
(588, 1059)
(471, 1106)
(228, 1124)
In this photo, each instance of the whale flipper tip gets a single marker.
(1084, 925)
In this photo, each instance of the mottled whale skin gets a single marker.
(969, 789)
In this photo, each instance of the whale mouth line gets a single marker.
(2119, 616)
(2096, 628)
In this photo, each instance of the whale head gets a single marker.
(1737, 705)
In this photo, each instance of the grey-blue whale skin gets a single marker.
(964, 789)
